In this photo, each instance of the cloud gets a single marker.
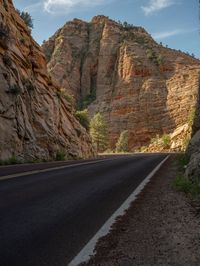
(156, 5)
(167, 34)
(34, 7)
(67, 6)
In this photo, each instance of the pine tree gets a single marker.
(122, 143)
(98, 132)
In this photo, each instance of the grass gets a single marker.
(188, 186)
(11, 160)
(184, 184)
(60, 156)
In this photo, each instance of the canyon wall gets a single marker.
(137, 84)
(36, 121)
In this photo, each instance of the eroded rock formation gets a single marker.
(140, 85)
(36, 122)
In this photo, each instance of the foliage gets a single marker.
(85, 102)
(122, 143)
(60, 155)
(188, 186)
(191, 117)
(82, 116)
(183, 161)
(166, 140)
(11, 160)
(4, 32)
(15, 89)
(62, 94)
(26, 18)
(160, 60)
(7, 60)
(98, 132)
(28, 85)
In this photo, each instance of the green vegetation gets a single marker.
(15, 89)
(60, 155)
(82, 116)
(122, 143)
(98, 132)
(157, 59)
(191, 117)
(188, 186)
(62, 94)
(85, 102)
(26, 18)
(11, 160)
(4, 32)
(166, 140)
(184, 184)
(7, 60)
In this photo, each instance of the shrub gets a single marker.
(62, 94)
(188, 186)
(26, 18)
(60, 155)
(22, 40)
(7, 60)
(15, 89)
(98, 132)
(122, 143)
(11, 160)
(160, 60)
(85, 102)
(166, 140)
(82, 116)
(4, 32)
(28, 85)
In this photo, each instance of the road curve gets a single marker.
(46, 218)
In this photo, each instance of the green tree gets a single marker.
(26, 17)
(122, 143)
(98, 132)
(82, 116)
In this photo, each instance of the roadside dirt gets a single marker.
(162, 227)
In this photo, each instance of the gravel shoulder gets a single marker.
(162, 227)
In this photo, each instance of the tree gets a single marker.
(27, 18)
(98, 132)
(122, 143)
(82, 116)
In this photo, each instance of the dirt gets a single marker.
(162, 227)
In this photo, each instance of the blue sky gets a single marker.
(173, 22)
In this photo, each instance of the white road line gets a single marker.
(88, 250)
(52, 169)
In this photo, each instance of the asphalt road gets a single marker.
(46, 218)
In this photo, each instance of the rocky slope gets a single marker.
(139, 85)
(36, 121)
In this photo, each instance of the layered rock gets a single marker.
(140, 85)
(36, 122)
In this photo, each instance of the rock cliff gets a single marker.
(137, 84)
(36, 121)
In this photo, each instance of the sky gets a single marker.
(175, 23)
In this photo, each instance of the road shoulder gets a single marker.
(161, 227)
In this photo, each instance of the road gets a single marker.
(46, 218)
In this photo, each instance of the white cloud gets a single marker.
(156, 5)
(34, 7)
(61, 6)
(166, 34)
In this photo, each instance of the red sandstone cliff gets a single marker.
(35, 121)
(140, 85)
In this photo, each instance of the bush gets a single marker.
(82, 116)
(60, 156)
(28, 85)
(122, 143)
(11, 160)
(4, 32)
(26, 18)
(7, 60)
(62, 94)
(15, 89)
(166, 140)
(84, 103)
(188, 186)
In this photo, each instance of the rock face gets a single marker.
(36, 122)
(140, 85)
